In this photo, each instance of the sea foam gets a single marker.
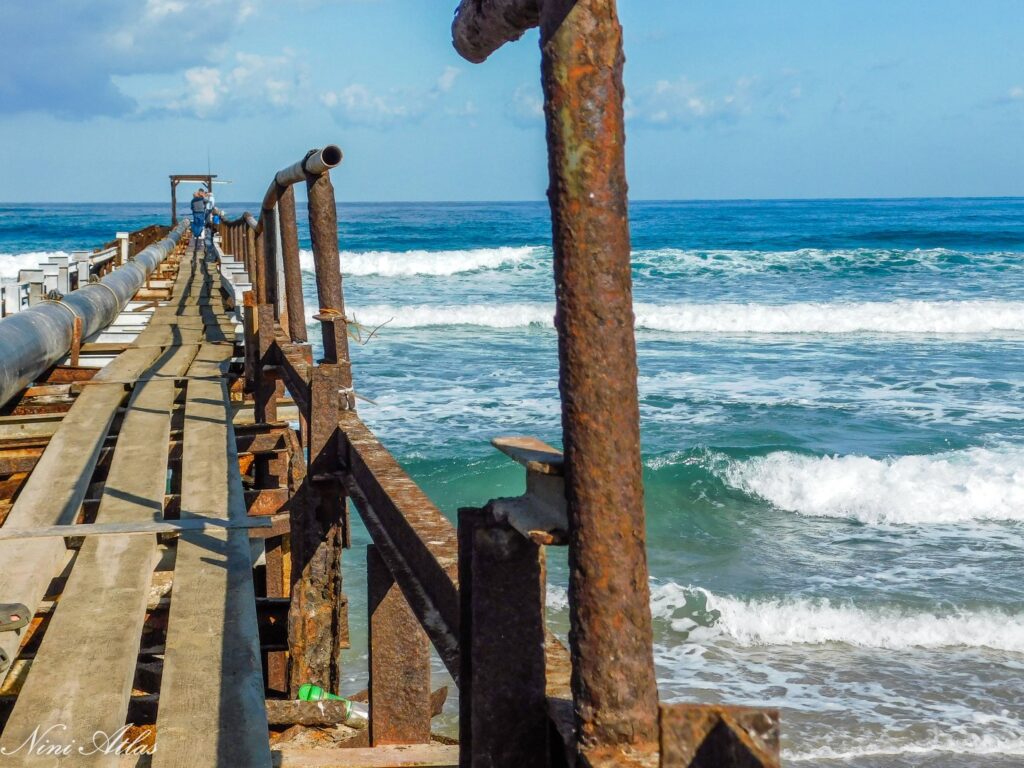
(938, 743)
(806, 621)
(689, 261)
(10, 263)
(706, 617)
(742, 262)
(897, 317)
(950, 487)
(427, 263)
(429, 315)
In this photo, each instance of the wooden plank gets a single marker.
(212, 710)
(52, 495)
(434, 755)
(81, 679)
(131, 528)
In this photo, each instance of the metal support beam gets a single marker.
(399, 662)
(296, 310)
(269, 254)
(613, 681)
(503, 720)
(318, 618)
(323, 232)
(265, 410)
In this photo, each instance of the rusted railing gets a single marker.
(477, 593)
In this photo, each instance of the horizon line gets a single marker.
(853, 198)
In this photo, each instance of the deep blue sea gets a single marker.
(832, 404)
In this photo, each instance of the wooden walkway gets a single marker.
(211, 701)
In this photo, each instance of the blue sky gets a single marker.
(101, 99)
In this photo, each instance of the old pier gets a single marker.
(180, 547)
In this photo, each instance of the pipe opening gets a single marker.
(331, 155)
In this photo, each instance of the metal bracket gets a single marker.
(539, 514)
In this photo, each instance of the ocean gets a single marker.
(832, 405)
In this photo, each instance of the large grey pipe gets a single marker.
(33, 340)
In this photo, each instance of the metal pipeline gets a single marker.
(33, 340)
(316, 163)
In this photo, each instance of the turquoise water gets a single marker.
(832, 396)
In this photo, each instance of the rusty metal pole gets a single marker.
(613, 678)
(323, 232)
(254, 249)
(399, 661)
(174, 202)
(292, 268)
(268, 253)
(318, 617)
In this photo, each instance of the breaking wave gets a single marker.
(703, 617)
(951, 487)
(428, 263)
(10, 263)
(938, 743)
(902, 317)
(741, 262)
(674, 260)
(896, 317)
(428, 315)
(807, 621)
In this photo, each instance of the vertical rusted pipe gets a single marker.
(323, 232)
(292, 267)
(613, 681)
(268, 253)
(254, 248)
(174, 202)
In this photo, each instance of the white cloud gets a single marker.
(245, 84)
(466, 109)
(447, 79)
(360, 104)
(685, 103)
(1016, 93)
(65, 57)
(527, 105)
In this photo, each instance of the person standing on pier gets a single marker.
(212, 218)
(198, 220)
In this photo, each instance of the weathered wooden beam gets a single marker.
(482, 26)
(420, 755)
(130, 528)
(330, 712)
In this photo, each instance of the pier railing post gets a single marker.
(318, 617)
(613, 680)
(323, 232)
(268, 253)
(296, 310)
(503, 721)
(399, 662)
(265, 393)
